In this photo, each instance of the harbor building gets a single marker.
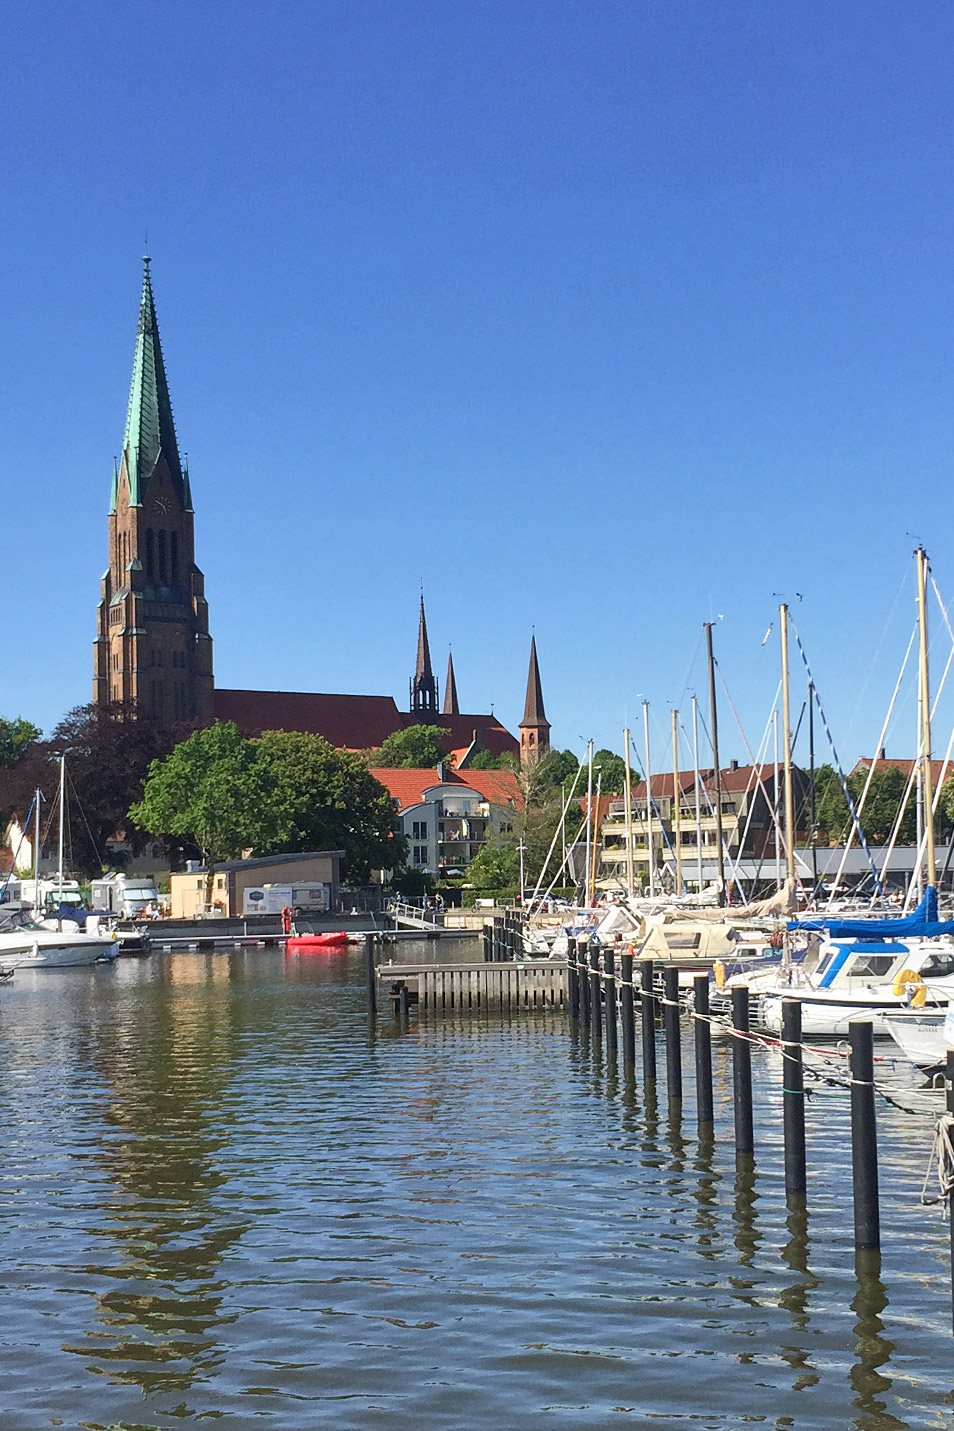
(448, 816)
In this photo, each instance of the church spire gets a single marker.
(451, 706)
(423, 686)
(534, 728)
(150, 430)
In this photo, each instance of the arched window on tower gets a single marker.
(150, 553)
(174, 546)
(162, 559)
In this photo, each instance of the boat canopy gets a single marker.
(922, 922)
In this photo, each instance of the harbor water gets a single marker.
(227, 1201)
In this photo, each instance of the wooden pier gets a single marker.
(445, 988)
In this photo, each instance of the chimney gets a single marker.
(881, 754)
(733, 765)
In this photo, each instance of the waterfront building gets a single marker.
(448, 817)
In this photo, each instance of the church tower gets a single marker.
(152, 648)
(424, 683)
(534, 728)
(451, 704)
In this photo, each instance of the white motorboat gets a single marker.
(26, 944)
(923, 1036)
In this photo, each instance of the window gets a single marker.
(419, 830)
(420, 854)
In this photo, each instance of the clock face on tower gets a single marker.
(161, 504)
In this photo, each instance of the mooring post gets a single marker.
(673, 1042)
(584, 981)
(864, 1136)
(627, 1021)
(369, 974)
(950, 1202)
(702, 1039)
(742, 1072)
(572, 978)
(609, 999)
(647, 1005)
(596, 996)
(793, 1098)
(403, 1003)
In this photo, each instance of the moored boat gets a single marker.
(316, 943)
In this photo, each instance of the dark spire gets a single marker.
(533, 712)
(150, 430)
(451, 706)
(423, 686)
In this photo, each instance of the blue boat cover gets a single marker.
(922, 922)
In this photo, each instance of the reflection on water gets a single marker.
(226, 1197)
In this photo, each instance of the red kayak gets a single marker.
(314, 943)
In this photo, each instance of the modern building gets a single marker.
(448, 817)
(230, 880)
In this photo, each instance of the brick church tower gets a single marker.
(534, 728)
(152, 647)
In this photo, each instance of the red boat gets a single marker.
(315, 943)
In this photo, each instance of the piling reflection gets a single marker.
(872, 1348)
(794, 1294)
(706, 1194)
(156, 1324)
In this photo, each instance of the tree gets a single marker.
(327, 799)
(417, 747)
(15, 736)
(212, 789)
(880, 812)
(483, 760)
(495, 866)
(612, 772)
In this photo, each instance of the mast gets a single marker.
(695, 770)
(676, 796)
(629, 817)
(596, 840)
(927, 793)
(36, 854)
(787, 750)
(778, 848)
(811, 768)
(717, 773)
(649, 806)
(589, 820)
(59, 861)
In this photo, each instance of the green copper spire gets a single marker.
(115, 488)
(150, 430)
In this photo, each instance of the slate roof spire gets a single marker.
(534, 728)
(150, 430)
(423, 686)
(451, 706)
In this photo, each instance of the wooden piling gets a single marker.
(596, 997)
(673, 1041)
(703, 1044)
(609, 999)
(583, 969)
(372, 983)
(742, 1074)
(626, 1018)
(572, 978)
(949, 1081)
(864, 1137)
(793, 1098)
(647, 1004)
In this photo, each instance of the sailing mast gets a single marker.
(717, 773)
(676, 797)
(36, 855)
(787, 750)
(629, 817)
(811, 764)
(649, 805)
(59, 861)
(927, 794)
(589, 820)
(778, 848)
(695, 771)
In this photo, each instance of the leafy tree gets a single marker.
(15, 736)
(612, 773)
(483, 760)
(885, 795)
(557, 768)
(495, 866)
(327, 799)
(212, 789)
(417, 747)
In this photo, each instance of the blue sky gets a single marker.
(603, 319)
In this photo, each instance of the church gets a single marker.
(153, 648)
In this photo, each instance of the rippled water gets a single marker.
(224, 1200)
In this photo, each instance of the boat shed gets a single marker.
(231, 879)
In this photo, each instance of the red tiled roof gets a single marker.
(905, 765)
(349, 722)
(742, 778)
(498, 787)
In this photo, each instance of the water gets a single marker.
(224, 1202)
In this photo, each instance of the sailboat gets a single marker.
(29, 942)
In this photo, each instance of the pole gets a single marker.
(793, 1098)
(649, 805)
(572, 977)
(627, 1021)
(522, 848)
(596, 996)
(647, 1004)
(629, 817)
(59, 859)
(36, 856)
(703, 1041)
(864, 1137)
(778, 847)
(927, 793)
(673, 1046)
(695, 771)
(609, 996)
(811, 771)
(950, 1202)
(596, 835)
(716, 772)
(369, 974)
(589, 819)
(742, 1073)
(787, 750)
(676, 800)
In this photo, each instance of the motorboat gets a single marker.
(25, 943)
(923, 1035)
(316, 943)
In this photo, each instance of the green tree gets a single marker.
(327, 799)
(483, 760)
(831, 808)
(15, 736)
(212, 789)
(885, 795)
(417, 747)
(495, 866)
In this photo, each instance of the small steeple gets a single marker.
(534, 728)
(423, 686)
(150, 430)
(451, 706)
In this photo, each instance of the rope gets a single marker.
(941, 1157)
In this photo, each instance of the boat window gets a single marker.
(682, 941)
(870, 965)
(937, 966)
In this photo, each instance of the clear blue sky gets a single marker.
(601, 318)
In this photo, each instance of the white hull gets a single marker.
(45, 949)
(832, 1016)
(920, 1037)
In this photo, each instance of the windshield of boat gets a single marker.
(870, 966)
(938, 966)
